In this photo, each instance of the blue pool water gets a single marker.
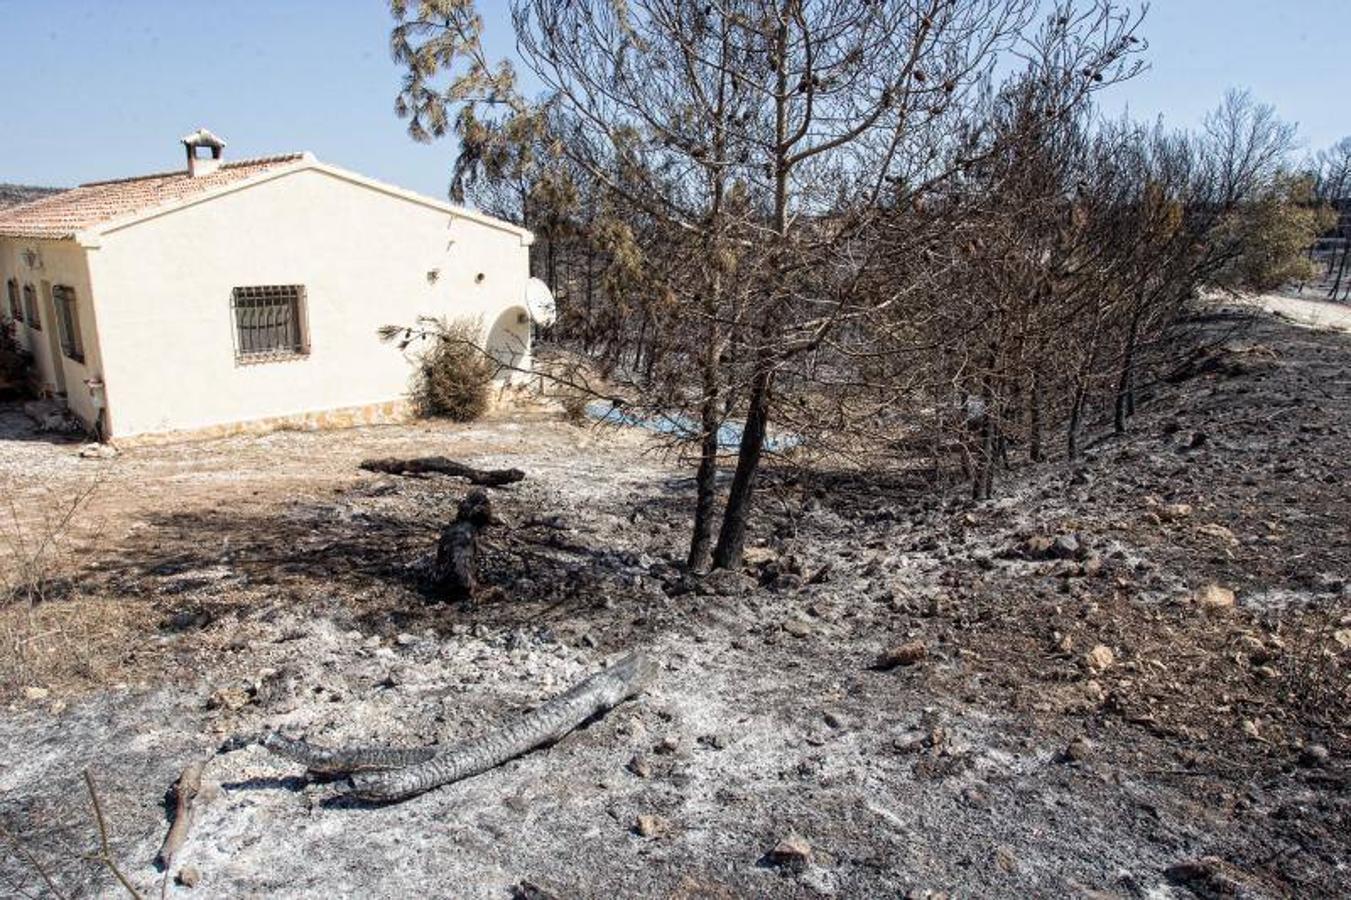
(683, 427)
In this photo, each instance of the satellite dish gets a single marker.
(539, 300)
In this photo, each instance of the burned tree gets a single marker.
(833, 217)
(762, 138)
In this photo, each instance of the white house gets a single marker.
(235, 295)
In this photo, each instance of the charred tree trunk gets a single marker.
(1083, 380)
(456, 571)
(639, 344)
(706, 478)
(590, 300)
(1072, 428)
(551, 261)
(1125, 388)
(1341, 270)
(982, 479)
(736, 516)
(732, 536)
(345, 760)
(710, 411)
(389, 774)
(1034, 444)
(653, 349)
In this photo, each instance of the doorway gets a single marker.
(509, 344)
(52, 329)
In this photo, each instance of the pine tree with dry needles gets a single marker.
(741, 150)
(835, 218)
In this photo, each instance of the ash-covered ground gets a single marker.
(1076, 708)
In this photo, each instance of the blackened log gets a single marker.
(544, 725)
(377, 775)
(440, 465)
(345, 760)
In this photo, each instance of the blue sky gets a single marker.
(104, 88)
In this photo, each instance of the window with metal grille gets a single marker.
(68, 322)
(30, 307)
(15, 310)
(269, 322)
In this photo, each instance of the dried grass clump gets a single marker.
(454, 376)
(1316, 663)
(75, 641)
(49, 634)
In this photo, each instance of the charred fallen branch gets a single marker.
(440, 465)
(389, 774)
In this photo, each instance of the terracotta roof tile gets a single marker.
(62, 215)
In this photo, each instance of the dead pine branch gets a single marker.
(33, 861)
(440, 465)
(546, 724)
(105, 854)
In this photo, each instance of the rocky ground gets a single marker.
(1123, 678)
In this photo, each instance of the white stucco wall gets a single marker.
(54, 263)
(163, 287)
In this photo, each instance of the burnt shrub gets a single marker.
(453, 379)
(16, 364)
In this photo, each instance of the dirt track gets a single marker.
(281, 589)
(1310, 311)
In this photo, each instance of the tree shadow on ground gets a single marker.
(371, 553)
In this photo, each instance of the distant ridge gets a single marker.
(14, 194)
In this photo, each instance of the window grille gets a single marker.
(269, 322)
(15, 310)
(68, 322)
(30, 307)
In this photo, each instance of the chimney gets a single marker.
(204, 152)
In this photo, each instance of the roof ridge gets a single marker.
(232, 164)
(64, 215)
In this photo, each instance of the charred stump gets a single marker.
(456, 571)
